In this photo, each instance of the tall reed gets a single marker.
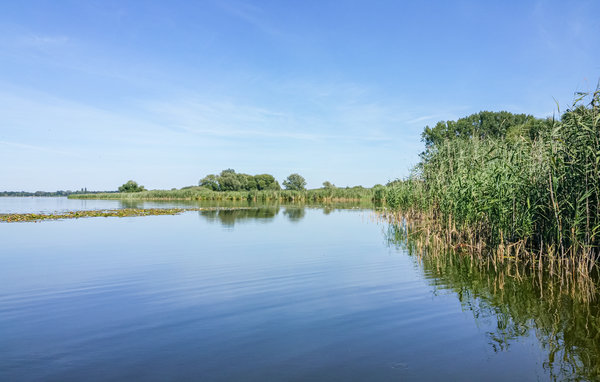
(530, 195)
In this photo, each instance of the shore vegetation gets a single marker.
(337, 194)
(510, 187)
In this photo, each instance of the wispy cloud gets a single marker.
(229, 119)
(37, 40)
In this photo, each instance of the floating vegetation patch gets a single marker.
(121, 213)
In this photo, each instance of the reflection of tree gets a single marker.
(294, 213)
(518, 302)
(228, 217)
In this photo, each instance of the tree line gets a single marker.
(229, 180)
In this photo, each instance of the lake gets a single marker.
(272, 293)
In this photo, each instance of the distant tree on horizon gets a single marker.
(229, 180)
(295, 182)
(131, 186)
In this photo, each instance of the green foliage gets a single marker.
(294, 182)
(513, 179)
(379, 192)
(131, 186)
(229, 180)
(211, 182)
(328, 185)
(266, 182)
(484, 125)
(202, 193)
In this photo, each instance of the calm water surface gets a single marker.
(275, 293)
(16, 205)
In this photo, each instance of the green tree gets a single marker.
(266, 182)
(485, 124)
(294, 182)
(210, 181)
(131, 186)
(328, 185)
(229, 182)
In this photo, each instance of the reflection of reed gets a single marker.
(560, 306)
(423, 234)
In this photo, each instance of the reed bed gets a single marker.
(519, 198)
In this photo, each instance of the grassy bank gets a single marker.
(201, 193)
(528, 191)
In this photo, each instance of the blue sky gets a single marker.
(93, 93)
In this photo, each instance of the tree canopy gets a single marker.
(295, 182)
(229, 180)
(485, 124)
(131, 186)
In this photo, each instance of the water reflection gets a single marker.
(228, 218)
(62, 204)
(295, 214)
(518, 303)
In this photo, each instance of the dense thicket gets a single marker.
(496, 179)
(229, 180)
(131, 186)
(484, 125)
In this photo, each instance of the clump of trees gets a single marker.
(131, 186)
(295, 182)
(486, 125)
(229, 180)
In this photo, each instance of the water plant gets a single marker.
(123, 212)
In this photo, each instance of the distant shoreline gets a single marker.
(353, 194)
